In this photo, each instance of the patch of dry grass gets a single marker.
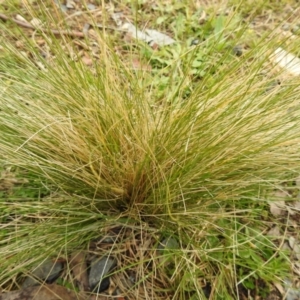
(197, 167)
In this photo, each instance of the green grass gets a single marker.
(191, 149)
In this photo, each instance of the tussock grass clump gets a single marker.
(197, 168)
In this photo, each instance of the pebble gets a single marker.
(70, 4)
(195, 42)
(237, 50)
(165, 245)
(291, 293)
(285, 27)
(168, 244)
(63, 8)
(47, 271)
(98, 270)
(91, 6)
(86, 28)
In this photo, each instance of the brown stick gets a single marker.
(53, 31)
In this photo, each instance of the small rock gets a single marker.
(91, 6)
(207, 290)
(294, 244)
(63, 8)
(70, 4)
(86, 28)
(291, 293)
(98, 270)
(109, 240)
(237, 50)
(285, 27)
(47, 271)
(168, 244)
(194, 42)
(117, 292)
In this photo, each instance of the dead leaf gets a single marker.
(41, 66)
(275, 232)
(277, 208)
(286, 61)
(118, 18)
(202, 18)
(20, 18)
(79, 269)
(279, 287)
(296, 204)
(70, 4)
(295, 246)
(45, 292)
(19, 44)
(296, 267)
(86, 59)
(138, 65)
(286, 247)
(37, 23)
(159, 38)
(149, 36)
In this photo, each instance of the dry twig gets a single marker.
(53, 31)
